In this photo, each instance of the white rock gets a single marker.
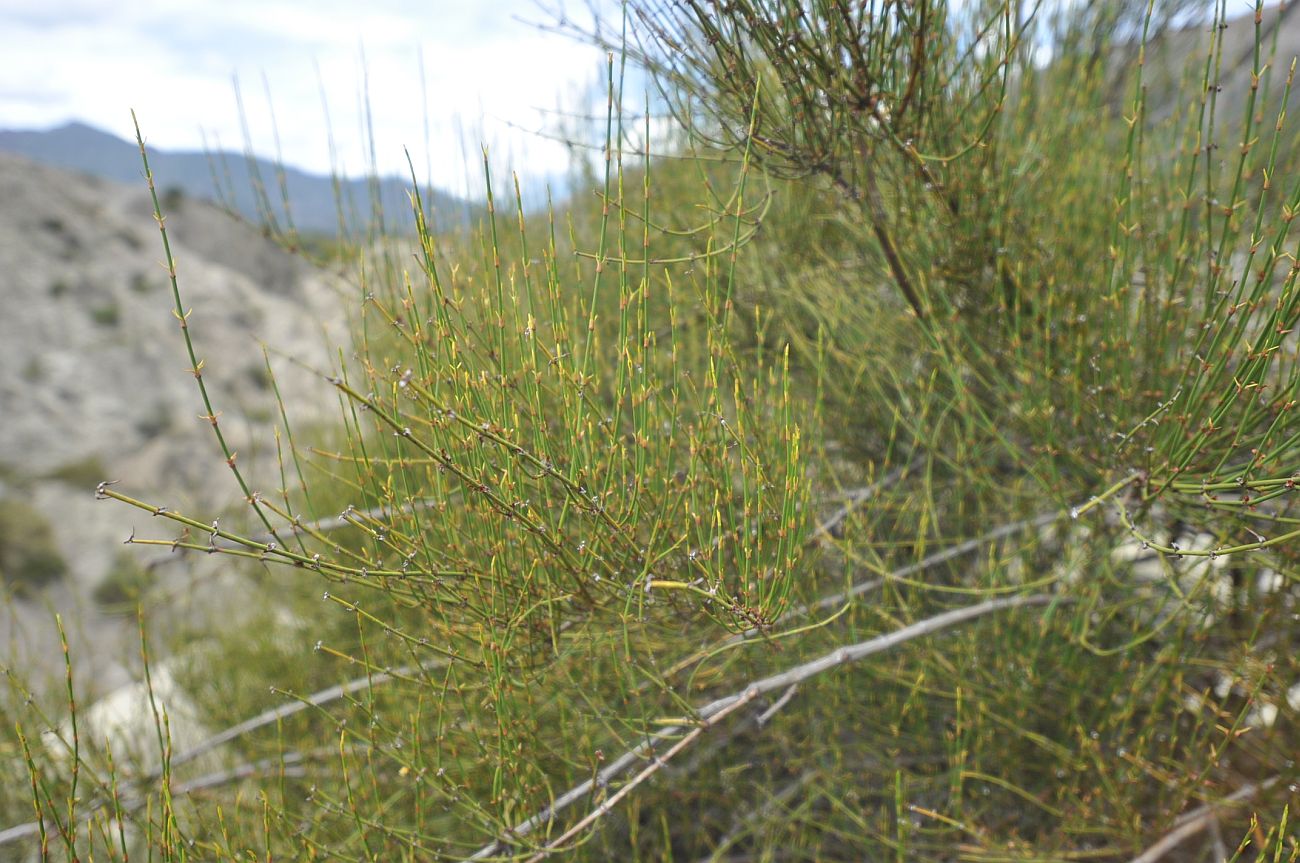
(1269, 582)
(1262, 715)
(124, 722)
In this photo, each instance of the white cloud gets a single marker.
(174, 62)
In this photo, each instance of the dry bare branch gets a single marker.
(1194, 822)
(704, 717)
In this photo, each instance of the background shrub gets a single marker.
(84, 472)
(29, 556)
(124, 585)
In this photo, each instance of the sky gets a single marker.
(442, 77)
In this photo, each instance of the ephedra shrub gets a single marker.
(890, 473)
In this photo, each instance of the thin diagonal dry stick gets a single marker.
(753, 722)
(265, 718)
(1194, 822)
(961, 548)
(290, 763)
(655, 765)
(858, 496)
(838, 598)
(785, 679)
(761, 814)
(333, 693)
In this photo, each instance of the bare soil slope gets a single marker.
(94, 380)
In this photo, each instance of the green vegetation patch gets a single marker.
(107, 314)
(125, 585)
(84, 472)
(29, 556)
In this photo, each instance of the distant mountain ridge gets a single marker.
(231, 178)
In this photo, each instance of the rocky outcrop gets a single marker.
(95, 381)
